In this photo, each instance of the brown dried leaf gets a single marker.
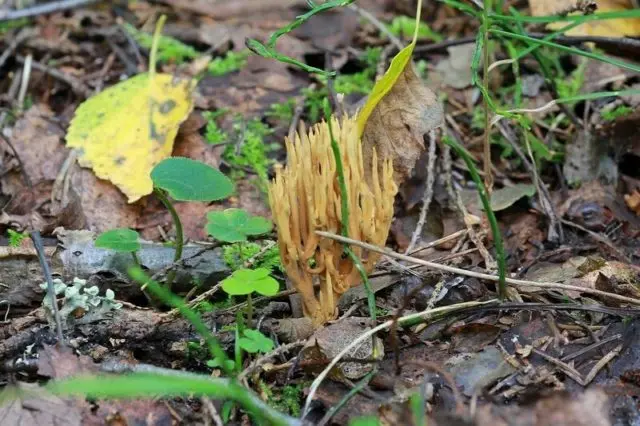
(396, 127)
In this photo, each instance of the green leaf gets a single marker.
(246, 281)
(505, 197)
(122, 239)
(189, 180)
(254, 341)
(216, 363)
(235, 225)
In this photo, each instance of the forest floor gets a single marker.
(561, 348)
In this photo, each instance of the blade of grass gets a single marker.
(632, 13)
(484, 197)
(189, 314)
(140, 385)
(568, 49)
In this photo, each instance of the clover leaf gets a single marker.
(235, 225)
(215, 363)
(121, 239)
(246, 281)
(253, 341)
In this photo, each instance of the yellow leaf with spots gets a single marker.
(124, 131)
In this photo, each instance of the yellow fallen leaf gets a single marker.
(398, 112)
(623, 27)
(124, 131)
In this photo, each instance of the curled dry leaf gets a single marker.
(397, 124)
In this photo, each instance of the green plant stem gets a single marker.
(495, 230)
(170, 383)
(136, 259)
(154, 46)
(179, 243)
(486, 23)
(249, 310)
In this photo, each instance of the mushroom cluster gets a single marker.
(305, 197)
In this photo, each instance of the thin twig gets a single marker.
(217, 420)
(424, 315)
(78, 87)
(263, 359)
(489, 277)
(379, 25)
(428, 191)
(17, 40)
(37, 242)
(43, 9)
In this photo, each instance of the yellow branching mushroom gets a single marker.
(305, 197)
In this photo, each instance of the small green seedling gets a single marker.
(255, 342)
(185, 179)
(246, 281)
(236, 225)
(122, 240)
(217, 363)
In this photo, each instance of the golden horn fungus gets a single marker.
(305, 197)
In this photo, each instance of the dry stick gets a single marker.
(78, 87)
(22, 36)
(43, 9)
(428, 191)
(598, 238)
(37, 242)
(11, 93)
(479, 275)
(426, 314)
(543, 192)
(217, 420)
(278, 351)
(442, 240)
(379, 25)
(489, 262)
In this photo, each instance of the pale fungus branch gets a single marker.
(305, 197)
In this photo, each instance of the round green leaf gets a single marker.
(122, 240)
(246, 281)
(254, 341)
(235, 225)
(189, 180)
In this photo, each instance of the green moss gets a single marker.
(404, 26)
(570, 85)
(169, 49)
(619, 111)
(232, 61)
(282, 111)
(287, 401)
(213, 134)
(235, 255)
(250, 152)
(16, 238)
